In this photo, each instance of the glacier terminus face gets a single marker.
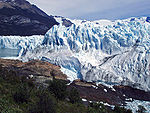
(18, 44)
(114, 52)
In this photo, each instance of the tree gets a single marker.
(118, 109)
(58, 88)
(46, 103)
(22, 94)
(99, 108)
(74, 96)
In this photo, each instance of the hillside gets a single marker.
(40, 92)
(19, 17)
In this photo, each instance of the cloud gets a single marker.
(94, 9)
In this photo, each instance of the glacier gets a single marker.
(113, 52)
(133, 105)
(20, 43)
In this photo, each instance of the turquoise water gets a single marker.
(9, 52)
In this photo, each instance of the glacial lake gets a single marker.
(5, 52)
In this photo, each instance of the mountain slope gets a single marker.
(19, 17)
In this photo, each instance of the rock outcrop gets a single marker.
(19, 17)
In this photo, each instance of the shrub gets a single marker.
(45, 104)
(65, 107)
(99, 108)
(7, 107)
(118, 109)
(58, 88)
(8, 75)
(22, 94)
(74, 96)
(30, 82)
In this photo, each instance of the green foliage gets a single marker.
(118, 109)
(22, 94)
(6, 107)
(74, 96)
(141, 109)
(98, 108)
(65, 107)
(58, 88)
(46, 103)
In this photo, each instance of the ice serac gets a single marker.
(115, 52)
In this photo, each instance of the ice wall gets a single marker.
(113, 52)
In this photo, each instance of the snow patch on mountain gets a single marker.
(103, 22)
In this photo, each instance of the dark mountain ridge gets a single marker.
(19, 17)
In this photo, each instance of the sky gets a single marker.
(95, 9)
